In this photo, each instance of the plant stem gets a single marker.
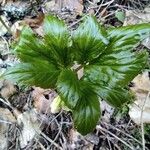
(4, 24)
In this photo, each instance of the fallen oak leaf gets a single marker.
(141, 88)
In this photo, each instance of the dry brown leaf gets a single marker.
(31, 127)
(141, 88)
(72, 5)
(135, 17)
(33, 23)
(6, 118)
(8, 89)
(141, 83)
(135, 110)
(42, 102)
(16, 28)
(36, 22)
(51, 6)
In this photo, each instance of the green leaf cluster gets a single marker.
(106, 56)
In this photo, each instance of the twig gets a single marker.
(141, 119)
(7, 103)
(60, 128)
(110, 148)
(4, 24)
(125, 143)
(105, 4)
(5, 121)
(76, 22)
(51, 141)
(42, 147)
(128, 135)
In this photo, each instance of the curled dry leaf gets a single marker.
(7, 89)
(36, 22)
(33, 23)
(42, 99)
(141, 89)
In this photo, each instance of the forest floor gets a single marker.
(26, 120)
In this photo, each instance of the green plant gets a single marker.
(106, 57)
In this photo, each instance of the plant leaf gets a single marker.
(116, 69)
(127, 37)
(39, 73)
(58, 39)
(116, 96)
(87, 112)
(31, 48)
(89, 40)
(118, 64)
(68, 87)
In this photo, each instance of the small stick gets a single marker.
(4, 24)
(125, 143)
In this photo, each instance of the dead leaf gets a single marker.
(136, 109)
(42, 99)
(141, 83)
(31, 127)
(107, 111)
(135, 17)
(72, 5)
(35, 22)
(16, 28)
(141, 88)
(51, 6)
(7, 89)
(6, 118)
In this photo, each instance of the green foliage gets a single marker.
(106, 56)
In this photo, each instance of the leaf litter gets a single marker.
(48, 130)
